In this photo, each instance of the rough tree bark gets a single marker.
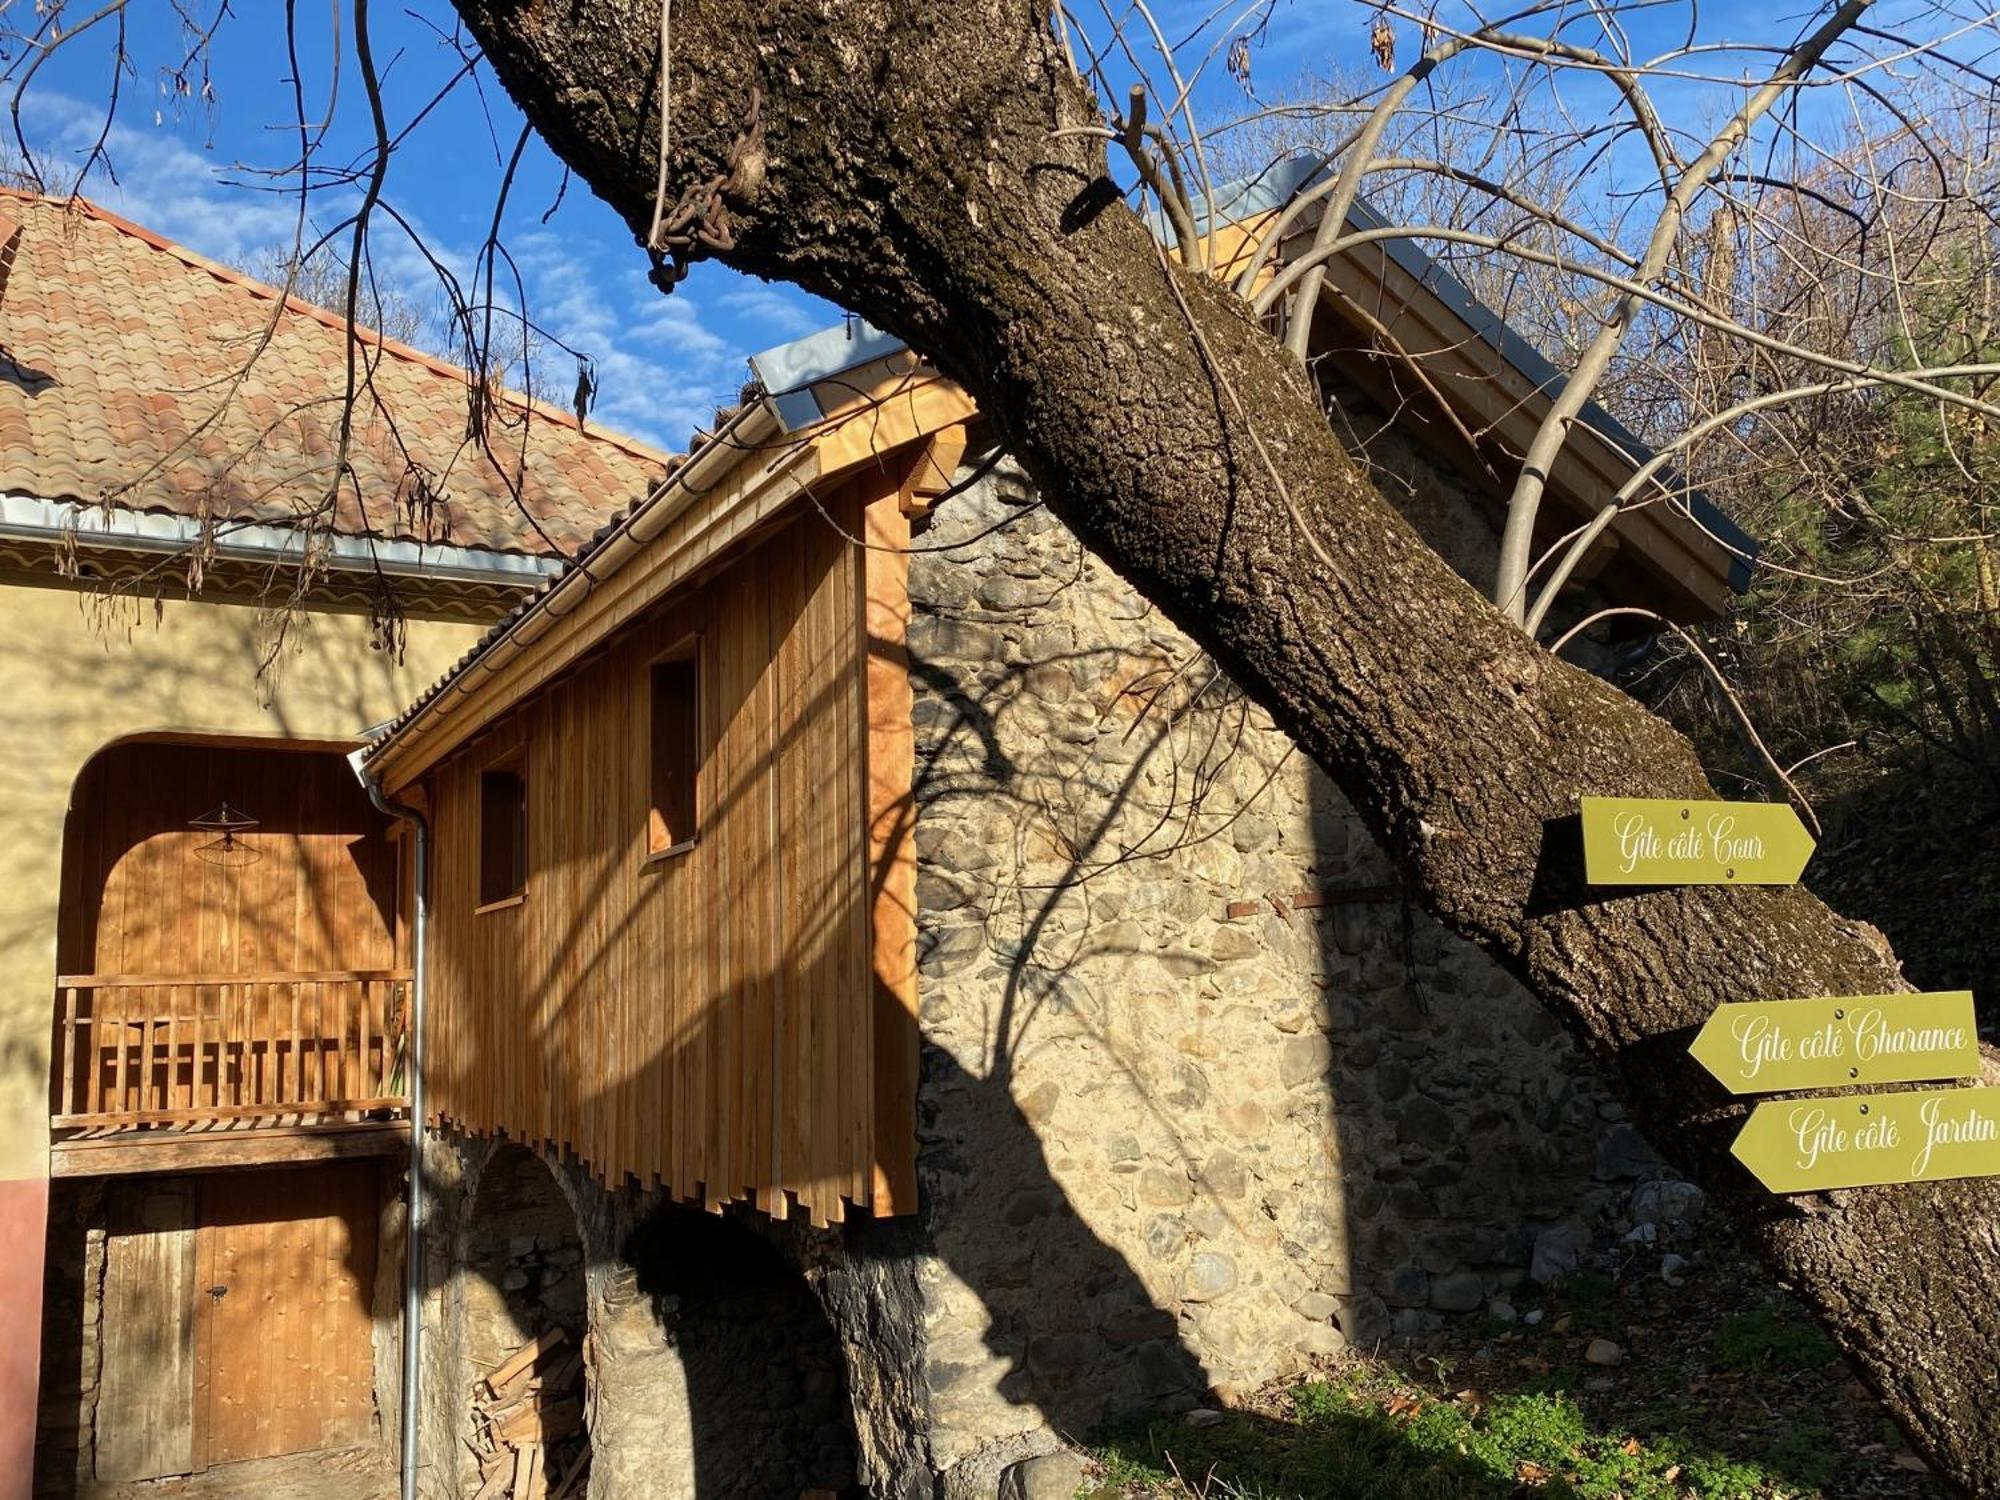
(902, 163)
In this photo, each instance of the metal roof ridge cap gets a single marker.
(813, 357)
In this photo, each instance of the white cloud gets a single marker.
(785, 312)
(160, 183)
(663, 362)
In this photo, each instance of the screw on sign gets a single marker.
(1661, 841)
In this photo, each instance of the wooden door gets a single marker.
(284, 1316)
(145, 1389)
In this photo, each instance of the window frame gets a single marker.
(689, 652)
(513, 764)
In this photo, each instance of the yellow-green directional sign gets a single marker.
(1772, 1045)
(1658, 841)
(1859, 1140)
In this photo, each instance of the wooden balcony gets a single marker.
(192, 1050)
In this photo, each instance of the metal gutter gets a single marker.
(31, 518)
(409, 1413)
(749, 429)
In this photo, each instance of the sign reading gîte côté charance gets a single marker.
(1865, 1140)
(1769, 1046)
(1660, 841)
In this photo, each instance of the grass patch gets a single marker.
(1364, 1435)
(1766, 1341)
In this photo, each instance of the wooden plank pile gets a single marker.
(527, 1418)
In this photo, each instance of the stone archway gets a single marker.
(711, 1366)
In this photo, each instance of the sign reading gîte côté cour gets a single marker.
(1864, 1140)
(1769, 1046)
(1660, 841)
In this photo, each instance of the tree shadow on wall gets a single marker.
(767, 1397)
(1065, 1324)
(1080, 1335)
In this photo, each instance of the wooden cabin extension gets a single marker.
(671, 976)
(672, 927)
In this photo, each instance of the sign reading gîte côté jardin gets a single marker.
(1862, 1140)
(1769, 1046)
(1660, 841)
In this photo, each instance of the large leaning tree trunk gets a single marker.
(902, 158)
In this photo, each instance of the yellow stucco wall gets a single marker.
(71, 683)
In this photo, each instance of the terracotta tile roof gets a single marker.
(120, 354)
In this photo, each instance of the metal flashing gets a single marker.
(33, 518)
(787, 371)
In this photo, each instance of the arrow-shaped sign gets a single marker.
(1860, 1140)
(1772, 1045)
(1658, 841)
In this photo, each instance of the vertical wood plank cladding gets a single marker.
(319, 893)
(846, 1079)
(703, 1018)
(892, 851)
(747, 839)
(687, 940)
(800, 1020)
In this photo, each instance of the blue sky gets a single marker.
(663, 362)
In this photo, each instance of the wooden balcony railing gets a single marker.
(175, 1049)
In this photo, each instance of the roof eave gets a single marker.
(34, 518)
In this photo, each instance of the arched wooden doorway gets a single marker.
(224, 1108)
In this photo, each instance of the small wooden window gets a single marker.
(503, 835)
(674, 751)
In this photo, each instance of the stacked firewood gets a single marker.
(527, 1421)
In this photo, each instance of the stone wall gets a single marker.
(713, 1365)
(1202, 1094)
(72, 1335)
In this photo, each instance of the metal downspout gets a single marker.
(413, 1261)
